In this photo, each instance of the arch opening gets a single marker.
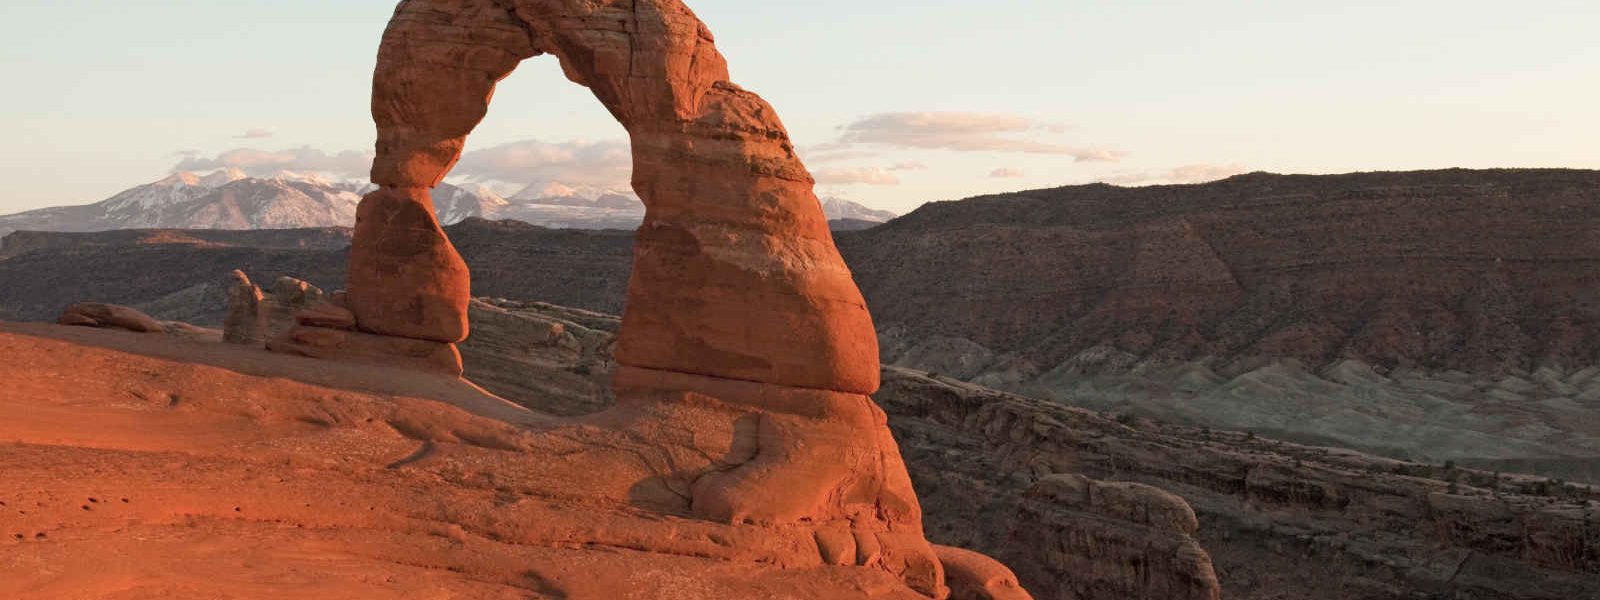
(735, 273)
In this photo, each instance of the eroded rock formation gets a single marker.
(406, 280)
(246, 322)
(735, 273)
(743, 322)
(1102, 540)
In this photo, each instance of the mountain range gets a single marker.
(230, 199)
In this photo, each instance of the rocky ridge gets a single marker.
(1434, 314)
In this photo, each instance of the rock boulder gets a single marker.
(109, 316)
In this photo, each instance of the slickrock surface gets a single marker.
(208, 470)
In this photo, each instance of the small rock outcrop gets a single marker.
(247, 318)
(109, 316)
(256, 316)
(973, 576)
(299, 318)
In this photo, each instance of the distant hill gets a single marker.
(1493, 271)
(1438, 314)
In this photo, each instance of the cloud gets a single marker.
(254, 134)
(262, 163)
(832, 153)
(603, 164)
(1195, 173)
(909, 166)
(1007, 173)
(864, 176)
(965, 132)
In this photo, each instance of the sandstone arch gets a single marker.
(743, 326)
(736, 275)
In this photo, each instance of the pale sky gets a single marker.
(892, 102)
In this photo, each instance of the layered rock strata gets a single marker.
(1099, 540)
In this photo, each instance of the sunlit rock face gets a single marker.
(738, 303)
(735, 272)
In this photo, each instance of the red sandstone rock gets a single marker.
(803, 464)
(254, 317)
(319, 342)
(94, 314)
(1111, 540)
(295, 293)
(738, 298)
(246, 322)
(326, 315)
(973, 576)
(406, 280)
(735, 272)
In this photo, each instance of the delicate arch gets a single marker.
(735, 273)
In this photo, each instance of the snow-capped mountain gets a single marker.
(230, 199)
(839, 209)
(554, 189)
(222, 177)
(455, 204)
(226, 199)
